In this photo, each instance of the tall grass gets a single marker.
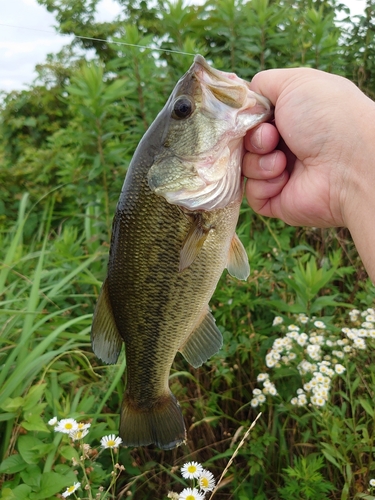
(49, 284)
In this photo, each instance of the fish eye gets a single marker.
(182, 108)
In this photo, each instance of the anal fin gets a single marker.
(205, 341)
(238, 262)
(105, 338)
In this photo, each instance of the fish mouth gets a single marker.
(232, 90)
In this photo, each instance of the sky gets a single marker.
(27, 35)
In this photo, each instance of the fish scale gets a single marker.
(167, 253)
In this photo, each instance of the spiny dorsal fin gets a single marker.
(193, 242)
(205, 341)
(238, 262)
(105, 338)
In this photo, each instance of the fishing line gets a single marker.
(102, 40)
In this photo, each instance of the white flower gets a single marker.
(256, 392)
(372, 482)
(191, 470)
(78, 434)
(254, 402)
(318, 400)
(262, 376)
(82, 426)
(367, 324)
(261, 398)
(52, 421)
(294, 401)
(293, 328)
(206, 481)
(173, 495)
(71, 490)
(66, 425)
(359, 343)
(339, 368)
(191, 494)
(110, 441)
(277, 320)
(302, 399)
(319, 324)
(302, 339)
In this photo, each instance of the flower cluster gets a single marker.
(317, 354)
(77, 431)
(204, 478)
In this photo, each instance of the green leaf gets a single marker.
(32, 476)
(12, 404)
(33, 397)
(29, 448)
(20, 492)
(52, 483)
(13, 464)
(34, 423)
(68, 452)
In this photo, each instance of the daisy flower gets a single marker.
(190, 494)
(81, 426)
(191, 470)
(110, 441)
(66, 425)
(277, 320)
(319, 324)
(78, 434)
(206, 481)
(372, 482)
(52, 421)
(71, 490)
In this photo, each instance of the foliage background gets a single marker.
(65, 144)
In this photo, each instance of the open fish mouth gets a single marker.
(204, 173)
(232, 91)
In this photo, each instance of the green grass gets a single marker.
(49, 284)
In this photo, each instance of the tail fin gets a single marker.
(161, 424)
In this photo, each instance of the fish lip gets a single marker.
(204, 71)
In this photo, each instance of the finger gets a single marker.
(262, 139)
(260, 193)
(273, 82)
(266, 166)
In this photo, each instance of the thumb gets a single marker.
(272, 83)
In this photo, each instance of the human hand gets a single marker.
(321, 173)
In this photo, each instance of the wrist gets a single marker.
(358, 199)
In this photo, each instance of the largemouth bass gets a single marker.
(173, 234)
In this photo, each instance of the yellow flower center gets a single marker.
(68, 426)
(190, 497)
(204, 482)
(110, 442)
(70, 489)
(191, 469)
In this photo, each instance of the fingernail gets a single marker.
(256, 139)
(267, 162)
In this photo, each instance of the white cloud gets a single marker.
(21, 49)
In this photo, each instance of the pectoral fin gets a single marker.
(105, 338)
(205, 341)
(238, 262)
(193, 242)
